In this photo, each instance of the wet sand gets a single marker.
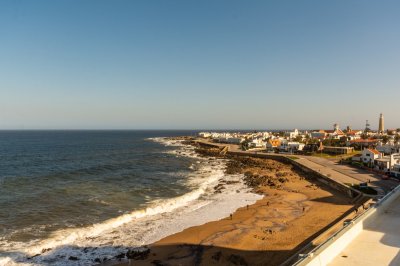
(294, 210)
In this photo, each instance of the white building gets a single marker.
(395, 172)
(257, 143)
(293, 134)
(336, 133)
(369, 156)
(265, 135)
(204, 134)
(291, 146)
(386, 163)
(388, 148)
(354, 134)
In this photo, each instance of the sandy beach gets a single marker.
(294, 210)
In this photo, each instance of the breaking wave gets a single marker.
(140, 227)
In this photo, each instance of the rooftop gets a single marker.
(374, 151)
(377, 244)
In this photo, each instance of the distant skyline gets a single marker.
(199, 64)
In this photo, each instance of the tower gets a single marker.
(336, 126)
(381, 124)
(367, 125)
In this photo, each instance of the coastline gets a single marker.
(293, 210)
(107, 240)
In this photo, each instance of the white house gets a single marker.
(292, 134)
(204, 134)
(386, 163)
(336, 133)
(396, 170)
(291, 146)
(265, 135)
(370, 155)
(354, 134)
(257, 143)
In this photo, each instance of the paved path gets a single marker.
(327, 171)
(357, 174)
(377, 244)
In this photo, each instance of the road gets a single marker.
(359, 175)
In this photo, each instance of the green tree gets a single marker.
(298, 138)
(327, 142)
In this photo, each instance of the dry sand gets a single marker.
(291, 214)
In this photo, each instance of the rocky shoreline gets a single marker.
(257, 171)
(289, 213)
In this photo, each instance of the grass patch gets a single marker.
(293, 157)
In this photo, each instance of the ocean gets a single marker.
(95, 194)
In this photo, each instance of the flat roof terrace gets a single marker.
(378, 243)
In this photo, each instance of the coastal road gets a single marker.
(359, 175)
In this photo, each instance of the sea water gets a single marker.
(95, 194)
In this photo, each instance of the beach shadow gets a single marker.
(179, 254)
(332, 200)
(185, 254)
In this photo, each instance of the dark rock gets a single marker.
(138, 254)
(120, 256)
(218, 188)
(217, 256)
(158, 263)
(33, 256)
(237, 260)
(45, 250)
(73, 258)
(97, 260)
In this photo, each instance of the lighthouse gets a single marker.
(381, 124)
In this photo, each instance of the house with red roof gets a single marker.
(369, 156)
(354, 134)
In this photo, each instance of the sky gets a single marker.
(198, 64)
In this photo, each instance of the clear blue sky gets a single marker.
(198, 64)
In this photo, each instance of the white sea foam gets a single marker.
(159, 219)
